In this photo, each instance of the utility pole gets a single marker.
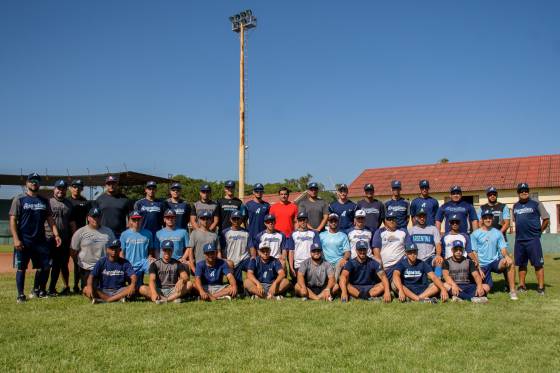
(239, 23)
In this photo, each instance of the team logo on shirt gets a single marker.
(524, 210)
(34, 206)
(397, 208)
(412, 273)
(150, 208)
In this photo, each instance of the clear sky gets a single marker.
(333, 87)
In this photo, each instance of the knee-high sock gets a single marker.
(20, 282)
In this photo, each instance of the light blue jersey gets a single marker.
(334, 246)
(179, 237)
(135, 247)
(488, 245)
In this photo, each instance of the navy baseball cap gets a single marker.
(316, 247)
(60, 184)
(151, 184)
(491, 190)
(167, 245)
(229, 184)
(420, 212)
(369, 186)
(454, 217)
(209, 247)
(302, 215)
(258, 187)
(362, 245)
(424, 184)
(34, 177)
(176, 186)
(205, 188)
(455, 189)
(110, 179)
(522, 186)
(458, 243)
(313, 185)
(270, 217)
(343, 187)
(135, 215)
(332, 216)
(486, 213)
(236, 214)
(94, 212)
(169, 212)
(390, 214)
(395, 184)
(411, 247)
(115, 244)
(77, 183)
(205, 214)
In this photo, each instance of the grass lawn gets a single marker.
(71, 334)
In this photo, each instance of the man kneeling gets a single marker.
(169, 279)
(411, 279)
(462, 279)
(364, 277)
(315, 276)
(107, 280)
(266, 277)
(209, 274)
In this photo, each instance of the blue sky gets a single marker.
(333, 88)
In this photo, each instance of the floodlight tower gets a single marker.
(239, 23)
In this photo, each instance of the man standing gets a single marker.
(198, 238)
(425, 202)
(491, 249)
(28, 214)
(315, 277)
(398, 205)
(181, 207)
(170, 232)
(205, 203)
(227, 205)
(285, 212)
(500, 211)
(300, 244)
(316, 208)
(388, 243)
(209, 276)
(336, 247)
(266, 278)
(237, 247)
(359, 232)
(344, 208)
(275, 240)
(257, 209)
(462, 279)
(80, 208)
(527, 214)
(151, 209)
(114, 206)
(459, 208)
(61, 209)
(137, 246)
(428, 241)
(374, 208)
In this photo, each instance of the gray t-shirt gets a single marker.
(90, 245)
(198, 239)
(316, 275)
(235, 244)
(62, 215)
(315, 210)
(167, 274)
(425, 239)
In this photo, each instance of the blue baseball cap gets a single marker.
(411, 247)
(315, 247)
(343, 187)
(205, 214)
(491, 190)
(486, 213)
(455, 189)
(302, 215)
(34, 177)
(60, 184)
(362, 245)
(94, 212)
(458, 243)
(390, 214)
(522, 186)
(169, 212)
(115, 244)
(77, 183)
(209, 247)
(269, 217)
(421, 212)
(167, 245)
(176, 186)
(236, 214)
(258, 187)
(313, 185)
(454, 217)
(332, 216)
(205, 188)
(395, 184)
(151, 184)
(424, 184)
(111, 179)
(135, 215)
(229, 184)
(369, 186)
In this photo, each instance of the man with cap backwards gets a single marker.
(181, 207)
(398, 205)
(266, 278)
(316, 208)
(459, 208)
(374, 208)
(500, 211)
(257, 209)
(198, 238)
(425, 202)
(344, 208)
(410, 278)
(89, 243)
(28, 214)
(336, 247)
(300, 243)
(205, 203)
(169, 278)
(527, 214)
(462, 279)
(107, 282)
(276, 241)
(359, 232)
(285, 212)
(179, 236)
(227, 205)
(114, 206)
(388, 243)
(137, 246)
(80, 208)
(363, 277)
(61, 209)
(428, 240)
(491, 249)
(151, 209)
(237, 247)
(315, 276)
(453, 235)
(209, 275)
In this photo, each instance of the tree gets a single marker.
(443, 160)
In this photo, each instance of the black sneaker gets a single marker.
(34, 294)
(52, 293)
(65, 291)
(521, 289)
(21, 299)
(540, 291)
(42, 295)
(77, 290)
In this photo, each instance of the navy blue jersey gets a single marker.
(182, 212)
(363, 273)
(152, 214)
(429, 204)
(345, 211)
(31, 214)
(375, 213)
(112, 275)
(255, 213)
(413, 274)
(527, 217)
(400, 208)
(211, 275)
(267, 272)
(465, 212)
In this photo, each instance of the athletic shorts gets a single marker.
(139, 278)
(213, 289)
(337, 270)
(529, 250)
(240, 268)
(316, 289)
(84, 274)
(467, 291)
(266, 287)
(166, 292)
(417, 289)
(111, 292)
(364, 290)
(37, 253)
(487, 270)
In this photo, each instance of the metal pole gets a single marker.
(242, 115)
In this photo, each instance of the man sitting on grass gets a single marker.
(266, 277)
(107, 281)
(209, 274)
(410, 278)
(462, 279)
(315, 276)
(364, 277)
(169, 279)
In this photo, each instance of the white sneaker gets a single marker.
(279, 297)
(97, 301)
(160, 301)
(178, 300)
(479, 300)
(226, 297)
(253, 297)
(456, 299)
(513, 295)
(304, 299)
(329, 299)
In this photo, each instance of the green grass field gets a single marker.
(290, 335)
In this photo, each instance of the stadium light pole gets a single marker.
(239, 23)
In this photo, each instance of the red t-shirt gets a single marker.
(285, 215)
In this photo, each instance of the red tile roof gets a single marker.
(539, 171)
(274, 197)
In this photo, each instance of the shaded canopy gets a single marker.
(128, 178)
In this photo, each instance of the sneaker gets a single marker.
(65, 292)
(21, 299)
(513, 295)
(456, 299)
(479, 300)
(225, 297)
(329, 299)
(34, 294)
(279, 297)
(506, 289)
(52, 293)
(97, 301)
(178, 300)
(77, 290)
(42, 295)
(124, 300)
(374, 299)
(253, 297)
(522, 289)
(304, 299)
(432, 300)
(540, 291)
(159, 301)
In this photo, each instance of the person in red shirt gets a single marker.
(285, 212)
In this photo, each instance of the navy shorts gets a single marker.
(240, 268)
(467, 291)
(487, 270)
(364, 290)
(139, 278)
(417, 289)
(316, 289)
(37, 253)
(389, 272)
(529, 250)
